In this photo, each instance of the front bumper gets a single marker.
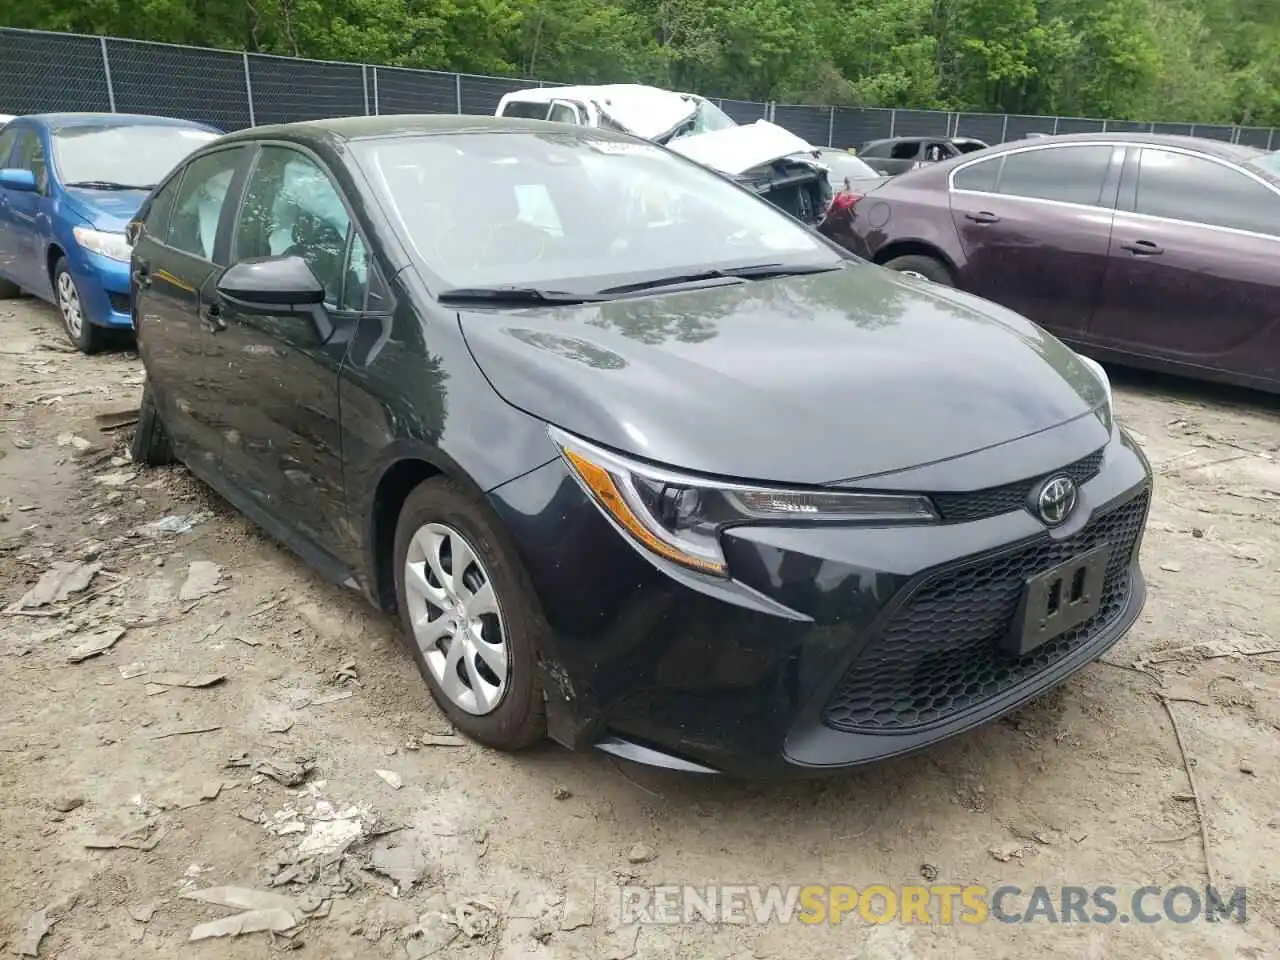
(103, 285)
(831, 647)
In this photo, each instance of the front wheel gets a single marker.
(86, 336)
(469, 616)
(922, 268)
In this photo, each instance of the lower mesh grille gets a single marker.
(940, 653)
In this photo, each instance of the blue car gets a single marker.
(69, 183)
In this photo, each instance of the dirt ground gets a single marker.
(525, 853)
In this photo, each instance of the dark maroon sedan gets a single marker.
(1151, 250)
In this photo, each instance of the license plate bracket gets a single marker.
(1058, 599)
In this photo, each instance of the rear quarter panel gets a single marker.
(909, 214)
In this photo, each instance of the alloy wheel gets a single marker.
(69, 304)
(456, 618)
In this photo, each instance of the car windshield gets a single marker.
(846, 165)
(578, 210)
(709, 117)
(134, 155)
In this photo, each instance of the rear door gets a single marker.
(1035, 227)
(182, 244)
(1194, 271)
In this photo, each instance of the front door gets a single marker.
(8, 136)
(182, 245)
(279, 375)
(1193, 268)
(28, 217)
(1035, 226)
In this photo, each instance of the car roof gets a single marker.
(1215, 148)
(410, 125)
(588, 92)
(60, 121)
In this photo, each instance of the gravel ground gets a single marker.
(302, 695)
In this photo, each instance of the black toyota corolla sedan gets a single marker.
(640, 462)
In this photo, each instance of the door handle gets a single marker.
(1142, 248)
(142, 276)
(983, 216)
(211, 318)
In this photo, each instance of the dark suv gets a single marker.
(900, 154)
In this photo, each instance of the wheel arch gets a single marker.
(51, 257)
(406, 467)
(913, 247)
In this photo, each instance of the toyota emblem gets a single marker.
(1056, 500)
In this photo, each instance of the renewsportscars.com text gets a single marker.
(931, 904)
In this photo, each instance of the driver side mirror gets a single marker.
(15, 178)
(272, 285)
(275, 285)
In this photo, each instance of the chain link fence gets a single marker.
(46, 72)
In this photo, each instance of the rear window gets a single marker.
(905, 151)
(525, 110)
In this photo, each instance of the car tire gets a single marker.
(86, 336)
(150, 445)
(9, 290)
(922, 267)
(441, 518)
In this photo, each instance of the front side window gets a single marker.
(292, 208)
(123, 155)
(1068, 174)
(562, 112)
(197, 206)
(30, 155)
(8, 136)
(1177, 186)
(577, 208)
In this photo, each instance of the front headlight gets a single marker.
(680, 518)
(1096, 369)
(114, 246)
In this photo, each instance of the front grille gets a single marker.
(119, 302)
(940, 653)
(962, 507)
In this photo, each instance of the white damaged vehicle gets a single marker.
(775, 163)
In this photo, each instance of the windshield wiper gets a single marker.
(110, 185)
(516, 295)
(754, 271)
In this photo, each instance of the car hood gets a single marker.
(811, 379)
(735, 150)
(107, 210)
